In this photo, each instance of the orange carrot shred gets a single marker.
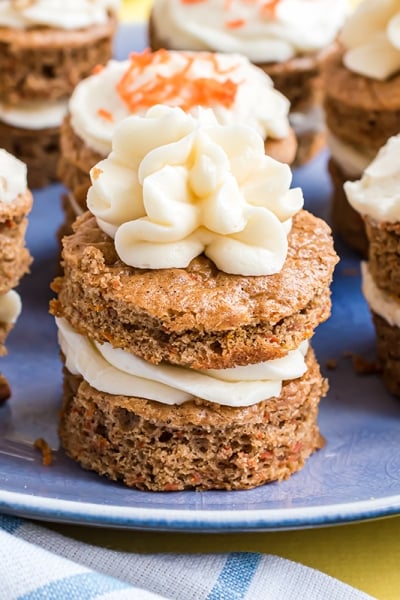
(235, 23)
(269, 8)
(105, 114)
(178, 89)
(192, 1)
(97, 69)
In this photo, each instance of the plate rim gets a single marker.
(211, 520)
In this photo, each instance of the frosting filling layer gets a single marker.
(13, 175)
(34, 115)
(10, 307)
(380, 302)
(118, 372)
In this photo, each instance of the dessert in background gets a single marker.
(15, 204)
(188, 298)
(286, 38)
(376, 198)
(46, 48)
(236, 91)
(362, 103)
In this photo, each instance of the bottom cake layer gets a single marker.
(195, 445)
(388, 350)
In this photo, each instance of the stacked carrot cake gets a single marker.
(46, 48)
(362, 103)
(286, 38)
(236, 91)
(15, 204)
(376, 197)
(189, 295)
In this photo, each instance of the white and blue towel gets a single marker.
(38, 564)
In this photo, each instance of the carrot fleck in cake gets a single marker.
(362, 104)
(46, 48)
(286, 38)
(189, 295)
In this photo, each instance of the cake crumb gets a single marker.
(362, 366)
(5, 391)
(43, 446)
(331, 364)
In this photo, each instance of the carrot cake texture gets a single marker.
(189, 294)
(15, 204)
(286, 38)
(376, 198)
(362, 104)
(229, 84)
(46, 48)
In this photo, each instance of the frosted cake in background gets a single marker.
(362, 103)
(46, 48)
(286, 38)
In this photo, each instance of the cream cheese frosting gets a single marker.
(371, 37)
(263, 31)
(13, 177)
(176, 186)
(10, 307)
(118, 372)
(377, 193)
(122, 88)
(63, 14)
(381, 303)
(34, 115)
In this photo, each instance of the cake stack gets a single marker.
(286, 38)
(362, 104)
(46, 48)
(376, 198)
(237, 92)
(188, 298)
(15, 204)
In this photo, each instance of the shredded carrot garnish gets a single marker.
(269, 9)
(192, 1)
(227, 4)
(178, 89)
(105, 114)
(235, 23)
(41, 445)
(96, 172)
(97, 69)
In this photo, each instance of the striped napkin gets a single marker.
(38, 564)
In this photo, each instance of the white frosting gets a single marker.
(13, 180)
(64, 14)
(353, 161)
(371, 37)
(34, 115)
(175, 186)
(116, 371)
(256, 102)
(261, 32)
(10, 307)
(377, 193)
(381, 303)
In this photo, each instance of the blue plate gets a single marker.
(355, 477)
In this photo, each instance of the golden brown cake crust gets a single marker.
(346, 221)
(44, 63)
(388, 351)
(198, 316)
(361, 111)
(200, 445)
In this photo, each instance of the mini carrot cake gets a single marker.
(46, 48)
(188, 298)
(15, 204)
(229, 84)
(362, 104)
(286, 38)
(376, 197)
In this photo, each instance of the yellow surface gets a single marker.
(364, 555)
